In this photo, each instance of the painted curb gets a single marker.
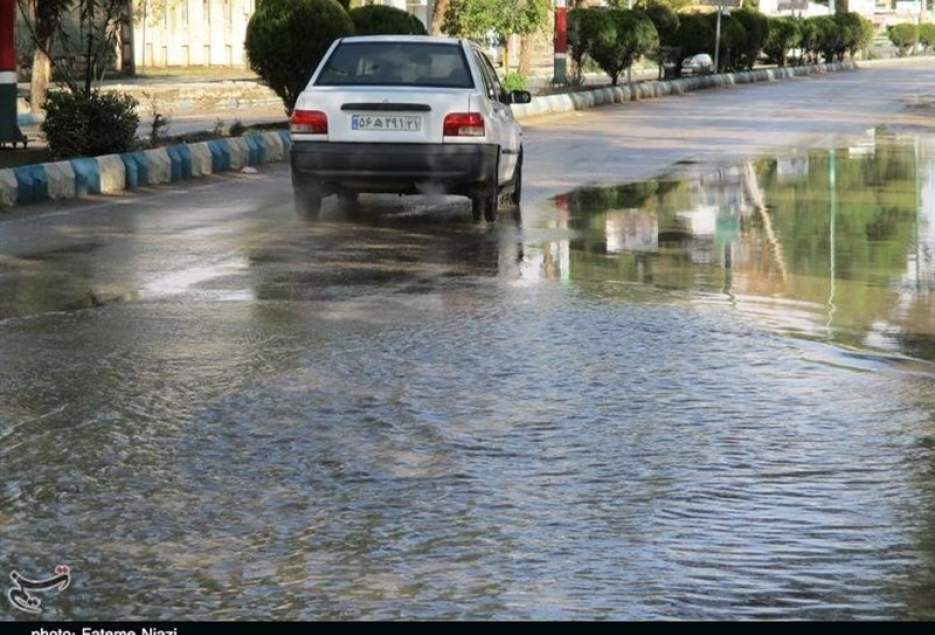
(580, 100)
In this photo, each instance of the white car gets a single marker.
(406, 114)
(700, 64)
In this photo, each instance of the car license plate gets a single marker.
(391, 123)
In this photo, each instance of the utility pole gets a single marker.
(9, 129)
(560, 60)
(717, 42)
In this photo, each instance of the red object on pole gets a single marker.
(7, 41)
(561, 29)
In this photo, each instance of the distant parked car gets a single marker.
(406, 114)
(700, 64)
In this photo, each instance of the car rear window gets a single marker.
(396, 64)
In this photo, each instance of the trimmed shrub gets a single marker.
(733, 41)
(827, 37)
(810, 39)
(79, 124)
(377, 19)
(904, 37)
(756, 30)
(624, 37)
(784, 35)
(286, 40)
(583, 26)
(695, 35)
(666, 21)
(926, 34)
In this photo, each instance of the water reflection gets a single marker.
(835, 244)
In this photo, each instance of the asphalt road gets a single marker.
(210, 408)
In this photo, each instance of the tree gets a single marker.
(101, 22)
(378, 19)
(476, 18)
(666, 21)
(583, 26)
(286, 40)
(624, 37)
(783, 36)
(43, 19)
(904, 37)
(733, 40)
(756, 33)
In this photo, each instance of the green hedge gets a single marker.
(614, 38)
(377, 19)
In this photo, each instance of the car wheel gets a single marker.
(484, 204)
(307, 202)
(517, 194)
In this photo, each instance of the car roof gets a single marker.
(430, 39)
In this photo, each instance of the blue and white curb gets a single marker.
(568, 102)
(115, 173)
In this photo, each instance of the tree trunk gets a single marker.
(525, 55)
(39, 83)
(438, 16)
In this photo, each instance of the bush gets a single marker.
(852, 33)
(695, 35)
(583, 26)
(78, 124)
(286, 40)
(784, 34)
(927, 34)
(826, 37)
(810, 39)
(904, 37)
(623, 38)
(665, 19)
(377, 19)
(733, 41)
(756, 30)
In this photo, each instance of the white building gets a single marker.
(206, 32)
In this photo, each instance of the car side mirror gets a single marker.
(520, 97)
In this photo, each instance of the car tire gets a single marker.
(484, 204)
(307, 202)
(517, 194)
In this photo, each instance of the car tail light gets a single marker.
(309, 122)
(464, 124)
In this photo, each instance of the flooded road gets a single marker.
(707, 395)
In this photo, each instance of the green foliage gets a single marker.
(827, 37)
(475, 18)
(784, 34)
(623, 38)
(79, 124)
(733, 41)
(664, 18)
(927, 34)
(286, 40)
(695, 35)
(514, 81)
(756, 33)
(583, 26)
(378, 19)
(904, 37)
(810, 39)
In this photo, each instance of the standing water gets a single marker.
(710, 395)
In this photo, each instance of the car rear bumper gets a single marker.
(393, 167)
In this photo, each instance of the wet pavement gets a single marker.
(708, 394)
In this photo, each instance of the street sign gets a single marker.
(792, 5)
(722, 3)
